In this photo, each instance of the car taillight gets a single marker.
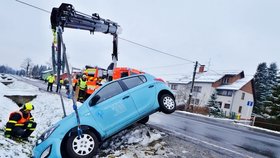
(159, 79)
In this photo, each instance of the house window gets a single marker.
(174, 86)
(240, 109)
(224, 92)
(227, 106)
(243, 96)
(225, 80)
(219, 104)
(197, 88)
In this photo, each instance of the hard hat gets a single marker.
(28, 106)
(84, 76)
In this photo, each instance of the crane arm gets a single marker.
(67, 17)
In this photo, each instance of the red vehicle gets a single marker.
(96, 76)
(120, 72)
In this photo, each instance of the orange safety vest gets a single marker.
(22, 120)
(74, 81)
(91, 86)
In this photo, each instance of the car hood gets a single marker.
(70, 120)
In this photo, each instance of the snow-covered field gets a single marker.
(136, 141)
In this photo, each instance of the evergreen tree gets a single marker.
(272, 103)
(213, 105)
(42, 68)
(272, 76)
(6, 69)
(261, 88)
(35, 71)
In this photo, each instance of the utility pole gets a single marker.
(190, 95)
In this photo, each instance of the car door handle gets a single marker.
(151, 86)
(125, 97)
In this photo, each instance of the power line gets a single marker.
(159, 51)
(155, 67)
(214, 72)
(33, 6)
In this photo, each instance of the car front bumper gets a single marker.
(49, 148)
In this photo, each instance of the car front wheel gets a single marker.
(85, 146)
(167, 103)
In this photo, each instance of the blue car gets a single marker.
(113, 107)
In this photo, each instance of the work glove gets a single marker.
(7, 136)
(28, 124)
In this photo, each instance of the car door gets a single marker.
(114, 109)
(142, 92)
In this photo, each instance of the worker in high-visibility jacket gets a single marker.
(82, 84)
(50, 80)
(74, 82)
(61, 82)
(21, 123)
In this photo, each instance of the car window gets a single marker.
(133, 81)
(109, 91)
(143, 78)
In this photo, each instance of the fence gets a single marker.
(267, 123)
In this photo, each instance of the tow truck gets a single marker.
(67, 17)
(96, 76)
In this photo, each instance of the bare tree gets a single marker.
(26, 65)
(182, 94)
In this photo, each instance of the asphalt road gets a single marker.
(193, 136)
(223, 138)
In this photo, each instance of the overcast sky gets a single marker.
(222, 34)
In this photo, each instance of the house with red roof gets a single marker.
(234, 91)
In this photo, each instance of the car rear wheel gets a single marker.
(84, 147)
(167, 103)
(144, 120)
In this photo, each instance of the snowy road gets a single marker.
(222, 137)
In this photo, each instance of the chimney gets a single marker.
(201, 69)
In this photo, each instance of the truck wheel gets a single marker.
(167, 104)
(84, 147)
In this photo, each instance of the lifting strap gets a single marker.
(60, 42)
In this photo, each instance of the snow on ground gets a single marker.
(136, 141)
(259, 128)
(244, 123)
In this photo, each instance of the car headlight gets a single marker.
(46, 152)
(46, 134)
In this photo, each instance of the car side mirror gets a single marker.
(94, 100)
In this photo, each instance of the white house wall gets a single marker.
(204, 95)
(225, 100)
(237, 101)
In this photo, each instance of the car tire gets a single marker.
(167, 103)
(84, 147)
(144, 120)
